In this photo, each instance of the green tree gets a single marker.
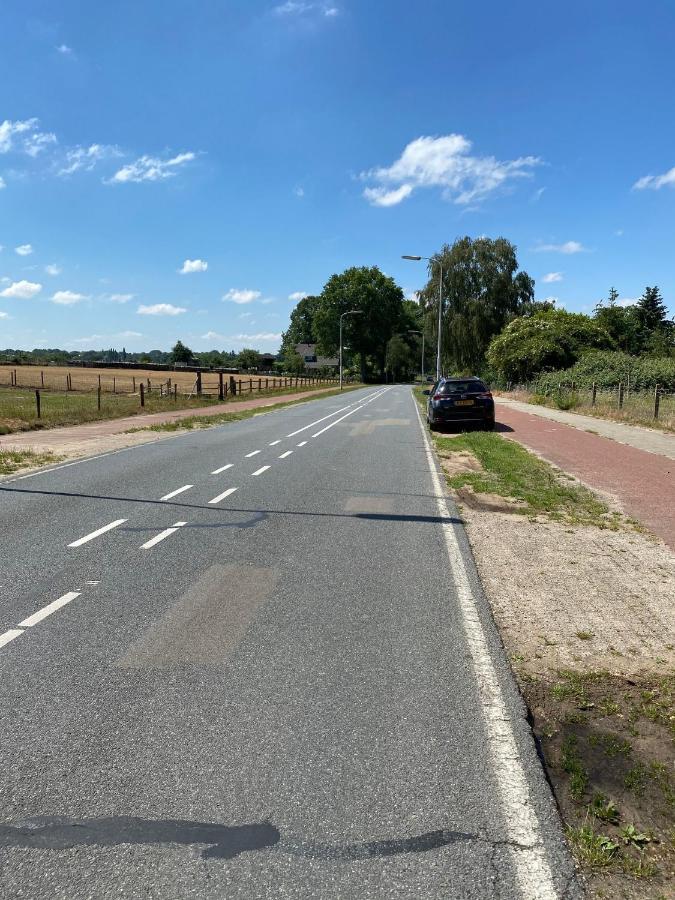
(181, 354)
(380, 302)
(619, 322)
(550, 339)
(650, 310)
(248, 359)
(398, 357)
(293, 362)
(301, 327)
(482, 291)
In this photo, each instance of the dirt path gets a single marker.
(99, 437)
(643, 483)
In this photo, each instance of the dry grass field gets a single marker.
(127, 381)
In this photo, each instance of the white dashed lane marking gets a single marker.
(49, 609)
(223, 495)
(284, 455)
(97, 533)
(186, 487)
(302, 443)
(9, 636)
(162, 535)
(222, 469)
(260, 470)
(274, 443)
(253, 453)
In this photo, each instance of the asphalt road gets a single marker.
(293, 691)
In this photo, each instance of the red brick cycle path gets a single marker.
(642, 482)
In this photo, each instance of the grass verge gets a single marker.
(13, 460)
(208, 421)
(18, 408)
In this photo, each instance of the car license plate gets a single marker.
(463, 402)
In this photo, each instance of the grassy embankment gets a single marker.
(606, 740)
(13, 460)
(18, 411)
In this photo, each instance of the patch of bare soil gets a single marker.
(586, 616)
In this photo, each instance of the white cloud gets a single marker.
(241, 296)
(86, 158)
(245, 315)
(299, 191)
(3, 183)
(151, 168)
(193, 265)
(21, 290)
(443, 162)
(569, 247)
(120, 298)
(64, 50)
(656, 182)
(555, 300)
(267, 301)
(296, 296)
(213, 336)
(9, 130)
(34, 144)
(260, 336)
(128, 334)
(552, 277)
(161, 309)
(299, 8)
(4, 315)
(627, 301)
(68, 298)
(24, 250)
(53, 269)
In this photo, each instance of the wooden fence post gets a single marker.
(233, 386)
(98, 397)
(99, 381)
(657, 400)
(250, 385)
(114, 385)
(594, 391)
(142, 394)
(199, 383)
(37, 403)
(620, 394)
(42, 379)
(259, 385)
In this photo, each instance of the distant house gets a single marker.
(267, 361)
(312, 361)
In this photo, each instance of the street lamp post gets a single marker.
(414, 331)
(440, 307)
(350, 312)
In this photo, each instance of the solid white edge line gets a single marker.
(284, 455)
(533, 872)
(254, 453)
(49, 609)
(337, 421)
(97, 533)
(186, 487)
(223, 495)
(162, 535)
(222, 469)
(9, 636)
(260, 470)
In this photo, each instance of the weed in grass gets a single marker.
(639, 868)
(604, 809)
(13, 460)
(608, 708)
(611, 744)
(634, 838)
(635, 779)
(597, 851)
(571, 763)
(585, 635)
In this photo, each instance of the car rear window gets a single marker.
(462, 387)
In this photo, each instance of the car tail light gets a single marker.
(486, 396)
(437, 397)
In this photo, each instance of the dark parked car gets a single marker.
(454, 401)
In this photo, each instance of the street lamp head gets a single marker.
(414, 258)
(354, 312)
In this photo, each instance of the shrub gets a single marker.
(607, 369)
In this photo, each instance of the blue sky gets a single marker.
(270, 144)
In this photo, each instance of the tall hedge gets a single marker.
(609, 367)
